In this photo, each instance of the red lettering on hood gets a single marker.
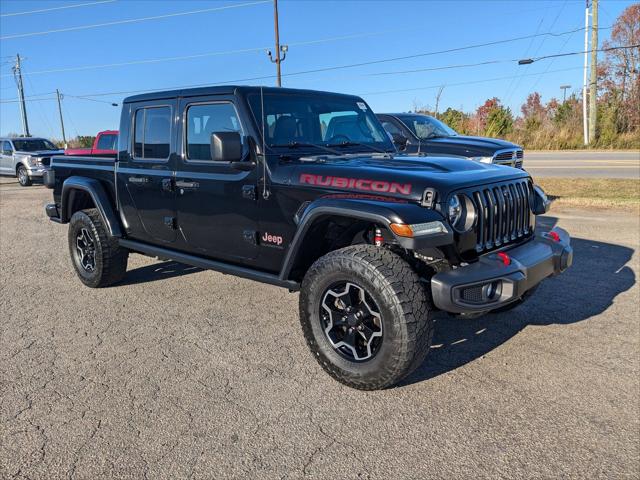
(362, 184)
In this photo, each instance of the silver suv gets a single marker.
(26, 158)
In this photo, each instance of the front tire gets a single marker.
(96, 256)
(366, 317)
(23, 176)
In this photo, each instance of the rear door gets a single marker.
(216, 204)
(145, 172)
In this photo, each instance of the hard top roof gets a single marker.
(221, 90)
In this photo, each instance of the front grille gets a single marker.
(472, 294)
(503, 214)
(507, 158)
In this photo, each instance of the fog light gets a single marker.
(491, 291)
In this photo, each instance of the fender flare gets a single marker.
(99, 196)
(380, 212)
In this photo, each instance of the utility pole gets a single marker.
(584, 80)
(564, 92)
(279, 49)
(17, 74)
(593, 84)
(438, 99)
(64, 138)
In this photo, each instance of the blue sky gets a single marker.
(365, 30)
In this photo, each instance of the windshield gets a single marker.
(33, 145)
(308, 121)
(426, 127)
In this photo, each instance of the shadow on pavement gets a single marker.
(157, 271)
(585, 290)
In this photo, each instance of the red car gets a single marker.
(105, 144)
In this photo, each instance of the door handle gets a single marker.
(138, 179)
(187, 184)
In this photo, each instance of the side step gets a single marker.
(207, 264)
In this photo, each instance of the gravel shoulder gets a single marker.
(180, 372)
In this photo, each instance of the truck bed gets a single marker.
(98, 168)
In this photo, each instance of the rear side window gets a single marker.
(107, 142)
(202, 121)
(391, 128)
(152, 133)
(6, 148)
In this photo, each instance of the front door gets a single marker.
(145, 173)
(6, 158)
(216, 204)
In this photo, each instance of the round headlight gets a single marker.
(462, 213)
(455, 210)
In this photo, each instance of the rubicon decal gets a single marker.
(270, 239)
(356, 183)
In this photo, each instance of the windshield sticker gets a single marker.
(362, 106)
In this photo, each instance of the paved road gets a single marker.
(583, 164)
(180, 372)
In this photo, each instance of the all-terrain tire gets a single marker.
(404, 306)
(23, 176)
(109, 259)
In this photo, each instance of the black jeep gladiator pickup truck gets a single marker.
(304, 190)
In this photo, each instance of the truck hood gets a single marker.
(41, 153)
(400, 176)
(471, 146)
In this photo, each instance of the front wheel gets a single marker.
(97, 258)
(23, 176)
(366, 317)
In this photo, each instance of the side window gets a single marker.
(202, 121)
(152, 133)
(107, 142)
(391, 128)
(6, 148)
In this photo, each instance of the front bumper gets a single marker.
(490, 283)
(35, 172)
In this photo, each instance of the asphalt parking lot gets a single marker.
(179, 372)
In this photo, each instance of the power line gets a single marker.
(209, 54)
(473, 82)
(608, 49)
(56, 8)
(134, 20)
(446, 67)
(265, 77)
(437, 52)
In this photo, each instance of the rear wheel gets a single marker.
(23, 176)
(97, 258)
(365, 316)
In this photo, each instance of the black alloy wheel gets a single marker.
(351, 321)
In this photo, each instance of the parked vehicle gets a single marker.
(104, 145)
(26, 158)
(414, 133)
(304, 190)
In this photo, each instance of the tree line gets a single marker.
(558, 124)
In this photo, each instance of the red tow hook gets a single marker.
(506, 259)
(554, 236)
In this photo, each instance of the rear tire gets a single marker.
(383, 282)
(96, 256)
(23, 176)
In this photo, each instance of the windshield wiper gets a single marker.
(358, 144)
(305, 144)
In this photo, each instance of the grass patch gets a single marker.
(593, 192)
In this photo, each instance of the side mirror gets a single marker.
(7, 152)
(399, 140)
(226, 147)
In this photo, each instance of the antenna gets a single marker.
(265, 192)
